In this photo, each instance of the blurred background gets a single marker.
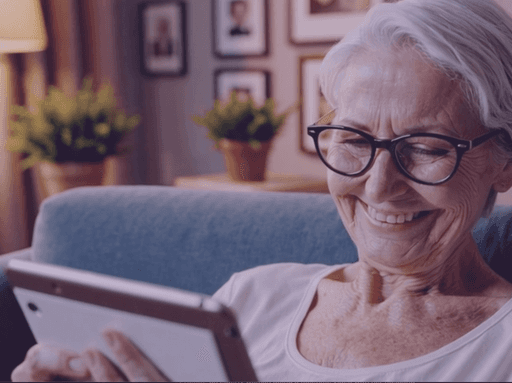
(111, 40)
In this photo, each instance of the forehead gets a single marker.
(401, 88)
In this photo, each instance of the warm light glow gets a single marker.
(21, 26)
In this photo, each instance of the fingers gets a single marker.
(45, 363)
(102, 370)
(132, 362)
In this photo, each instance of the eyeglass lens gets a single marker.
(427, 159)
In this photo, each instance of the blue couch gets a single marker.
(192, 240)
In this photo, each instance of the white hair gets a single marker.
(470, 40)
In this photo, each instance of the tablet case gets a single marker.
(188, 336)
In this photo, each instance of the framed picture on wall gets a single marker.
(163, 38)
(325, 21)
(314, 105)
(240, 28)
(245, 82)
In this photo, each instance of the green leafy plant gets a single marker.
(84, 128)
(242, 121)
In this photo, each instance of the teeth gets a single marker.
(391, 218)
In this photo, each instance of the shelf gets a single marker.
(275, 182)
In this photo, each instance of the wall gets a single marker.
(172, 145)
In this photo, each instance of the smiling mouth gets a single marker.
(398, 218)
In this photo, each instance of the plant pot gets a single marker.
(57, 177)
(244, 163)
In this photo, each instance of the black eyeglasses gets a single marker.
(426, 158)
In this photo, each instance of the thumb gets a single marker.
(45, 363)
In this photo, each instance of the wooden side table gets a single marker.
(275, 182)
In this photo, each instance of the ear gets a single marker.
(503, 180)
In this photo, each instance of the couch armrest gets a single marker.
(22, 254)
(15, 335)
(25, 254)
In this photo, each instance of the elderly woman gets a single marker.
(417, 148)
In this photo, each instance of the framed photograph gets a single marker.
(163, 38)
(325, 21)
(246, 82)
(314, 105)
(240, 28)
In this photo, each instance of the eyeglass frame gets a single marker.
(461, 147)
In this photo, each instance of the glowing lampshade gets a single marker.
(21, 26)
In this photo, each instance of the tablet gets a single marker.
(188, 336)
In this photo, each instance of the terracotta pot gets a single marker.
(243, 162)
(57, 177)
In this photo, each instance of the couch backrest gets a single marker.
(188, 239)
(195, 240)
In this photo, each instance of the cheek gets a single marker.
(474, 181)
(334, 183)
(341, 189)
(340, 186)
(474, 178)
(462, 199)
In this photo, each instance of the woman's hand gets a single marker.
(134, 366)
(44, 363)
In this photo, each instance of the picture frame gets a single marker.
(240, 28)
(163, 38)
(248, 82)
(325, 21)
(313, 105)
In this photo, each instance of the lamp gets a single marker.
(22, 26)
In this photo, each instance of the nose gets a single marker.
(383, 180)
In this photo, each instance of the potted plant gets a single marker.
(70, 137)
(243, 132)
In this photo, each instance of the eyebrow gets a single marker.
(420, 128)
(353, 124)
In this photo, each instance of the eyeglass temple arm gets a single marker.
(326, 119)
(485, 137)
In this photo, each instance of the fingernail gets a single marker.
(77, 365)
(90, 357)
(111, 339)
(48, 358)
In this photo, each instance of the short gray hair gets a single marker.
(469, 40)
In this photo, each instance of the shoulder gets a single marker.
(289, 271)
(266, 298)
(266, 283)
(268, 278)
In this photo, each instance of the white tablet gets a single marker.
(188, 336)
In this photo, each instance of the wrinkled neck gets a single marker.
(463, 272)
